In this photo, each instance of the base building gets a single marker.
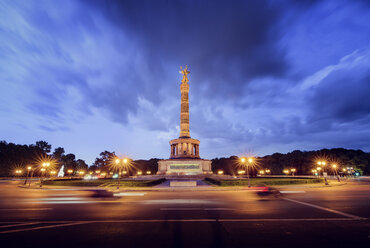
(184, 158)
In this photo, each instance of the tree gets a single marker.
(69, 162)
(44, 146)
(105, 159)
(145, 165)
(58, 153)
(81, 164)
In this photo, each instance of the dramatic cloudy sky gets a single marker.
(265, 76)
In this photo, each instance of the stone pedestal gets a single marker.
(184, 167)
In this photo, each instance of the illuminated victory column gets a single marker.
(184, 158)
(184, 116)
(184, 146)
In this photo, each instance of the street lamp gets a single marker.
(323, 163)
(120, 163)
(245, 164)
(220, 172)
(293, 171)
(44, 166)
(29, 168)
(318, 170)
(286, 172)
(42, 173)
(335, 167)
(325, 173)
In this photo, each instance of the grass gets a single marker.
(103, 182)
(262, 181)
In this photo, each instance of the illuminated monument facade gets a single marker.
(184, 158)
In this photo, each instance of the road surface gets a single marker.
(302, 217)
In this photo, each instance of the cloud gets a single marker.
(329, 111)
(344, 94)
(265, 76)
(357, 58)
(226, 45)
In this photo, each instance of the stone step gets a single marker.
(183, 183)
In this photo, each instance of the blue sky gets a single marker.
(265, 76)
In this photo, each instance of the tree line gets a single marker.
(14, 156)
(303, 161)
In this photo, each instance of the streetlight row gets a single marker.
(260, 172)
(251, 161)
(46, 165)
(53, 172)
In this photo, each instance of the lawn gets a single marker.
(103, 182)
(262, 181)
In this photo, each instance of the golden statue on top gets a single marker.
(185, 73)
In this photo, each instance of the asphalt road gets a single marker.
(303, 217)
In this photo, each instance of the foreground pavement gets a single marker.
(303, 217)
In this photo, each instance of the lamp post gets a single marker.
(44, 166)
(119, 163)
(323, 163)
(70, 171)
(42, 173)
(318, 171)
(32, 171)
(247, 162)
(29, 168)
(18, 172)
(81, 173)
(334, 166)
(293, 170)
